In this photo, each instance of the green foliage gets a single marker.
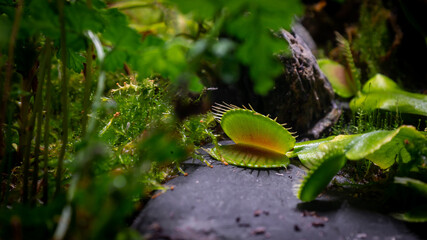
(37, 222)
(133, 140)
(251, 22)
(374, 39)
(310, 156)
(340, 80)
(320, 174)
(134, 108)
(196, 130)
(262, 143)
(418, 213)
(363, 122)
(326, 157)
(346, 50)
(415, 184)
(381, 92)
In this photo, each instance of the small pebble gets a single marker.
(361, 235)
(257, 213)
(244, 225)
(317, 224)
(155, 226)
(259, 231)
(296, 228)
(307, 213)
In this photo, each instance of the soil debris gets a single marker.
(259, 231)
(317, 224)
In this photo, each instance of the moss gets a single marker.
(373, 39)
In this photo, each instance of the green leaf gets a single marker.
(161, 146)
(382, 93)
(380, 83)
(41, 18)
(194, 84)
(250, 23)
(321, 174)
(74, 60)
(257, 53)
(339, 78)
(417, 214)
(315, 152)
(114, 60)
(307, 145)
(368, 143)
(165, 58)
(417, 185)
(80, 18)
(325, 157)
(249, 156)
(403, 102)
(200, 8)
(5, 29)
(251, 128)
(381, 147)
(385, 157)
(119, 33)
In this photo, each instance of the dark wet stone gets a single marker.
(220, 202)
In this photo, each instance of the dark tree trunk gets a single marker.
(302, 97)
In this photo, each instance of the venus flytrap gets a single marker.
(383, 148)
(379, 92)
(261, 142)
(418, 213)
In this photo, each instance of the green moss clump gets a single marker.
(373, 36)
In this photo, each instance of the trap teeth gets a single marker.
(251, 107)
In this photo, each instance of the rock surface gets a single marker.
(228, 202)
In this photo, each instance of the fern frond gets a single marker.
(346, 50)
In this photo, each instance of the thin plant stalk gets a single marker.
(25, 136)
(101, 83)
(87, 86)
(66, 214)
(8, 155)
(88, 80)
(38, 106)
(39, 117)
(45, 196)
(64, 97)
